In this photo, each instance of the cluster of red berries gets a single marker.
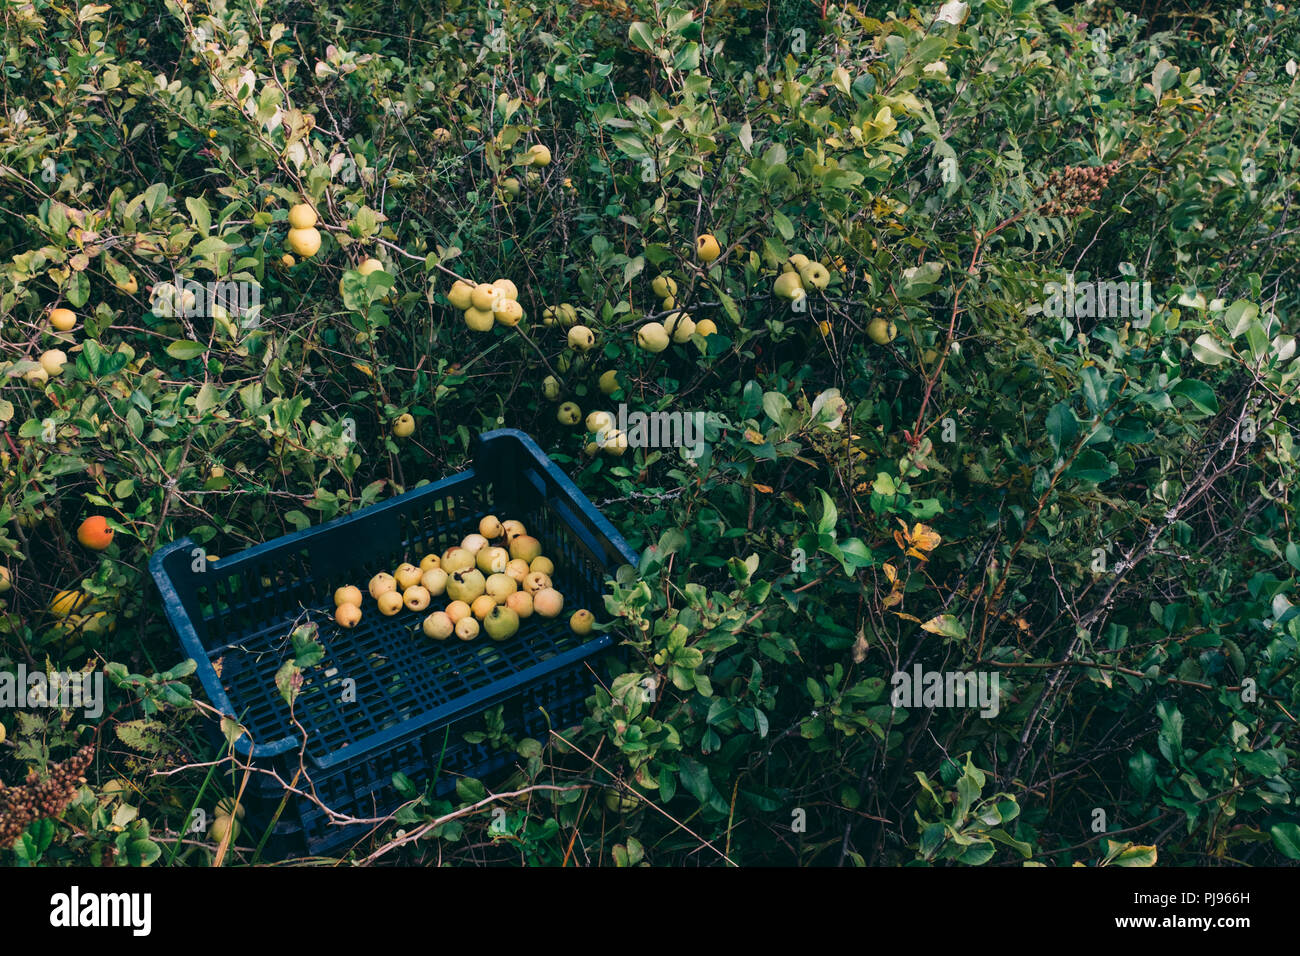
(1070, 190)
(36, 799)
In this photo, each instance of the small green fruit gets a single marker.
(480, 320)
(226, 807)
(613, 441)
(568, 414)
(652, 337)
(680, 326)
(616, 802)
(599, 421)
(484, 296)
(881, 331)
(815, 275)
(501, 623)
(500, 586)
(581, 338)
(457, 559)
(508, 312)
(525, 547)
(664, 286)
(466, 585)
(492, 560)
(788, 286)
(221, 826)
(707, 248)
(438, 626)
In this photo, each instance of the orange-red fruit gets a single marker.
(95, 533)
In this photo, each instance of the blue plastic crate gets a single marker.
(415, 697)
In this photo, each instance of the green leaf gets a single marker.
(470, 790)
(945, 625)
(1292, 554)
(777, 407)
(695, 778)
(1170, 738)
(1207, 351)
(154, 197)
(687, 58)
(1199, 394)
(1062, 427)
(1142, 771)
(307, 651)
(209, 247)
(826, 523)
(641, 37)
(403, 785)
(1239, 316)
(1257, 339)
(184, 350)
(1008, 840)
(288, 679)
(143, 735)
(884, 485)
(783, 225)
(1286, 837)
(977, 854)
(1136, 855)
(1164, 77)
(143, 852)
(78, 290)
(1091, 465)
(200, 213)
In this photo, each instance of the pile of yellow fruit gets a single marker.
(580, 338)
(677, 327)
(487, 304)
(598, 423)
(798, 276)
(564, 315)
(76, 611)
(488, 587)
(304, 239)
(50, 363)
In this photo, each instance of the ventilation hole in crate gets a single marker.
(230, 591)
(208, 607)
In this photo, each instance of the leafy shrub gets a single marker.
(1096, 510)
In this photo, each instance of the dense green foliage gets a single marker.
(1096, 509)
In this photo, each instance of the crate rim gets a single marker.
(216, 693)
